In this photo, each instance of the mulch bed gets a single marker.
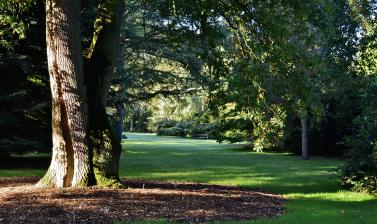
(20, 202)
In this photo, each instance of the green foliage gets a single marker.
(275, 65)
(14, 21)
(368, 52)
(360, 171)
(172, 131)
(24, 87)
(235, 135)
(25, 107)
(362, 161)
(162, 127)
(258, 62)
(203, 128)
(182, 128)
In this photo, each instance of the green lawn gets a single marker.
(310, 186)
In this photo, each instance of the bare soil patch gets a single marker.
(20, 202)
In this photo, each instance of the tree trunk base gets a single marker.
(102, 181)
(49, 181)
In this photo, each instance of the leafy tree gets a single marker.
(14, 21)
(360, 171)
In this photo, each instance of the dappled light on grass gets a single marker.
(207, 161)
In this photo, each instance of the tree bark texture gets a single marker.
(70, 165)
(85, 148)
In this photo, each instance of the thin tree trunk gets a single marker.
(131, 123)
(70, 165)
(304, 138)
(203, 104)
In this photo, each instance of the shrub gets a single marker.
(360, 171)
(182, 128)
(236, 135)
(161, 127)
(202, 128)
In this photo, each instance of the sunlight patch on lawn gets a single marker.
(340, 196)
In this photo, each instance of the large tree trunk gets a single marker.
(85, 148)
(70, 165)
(99, 69)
